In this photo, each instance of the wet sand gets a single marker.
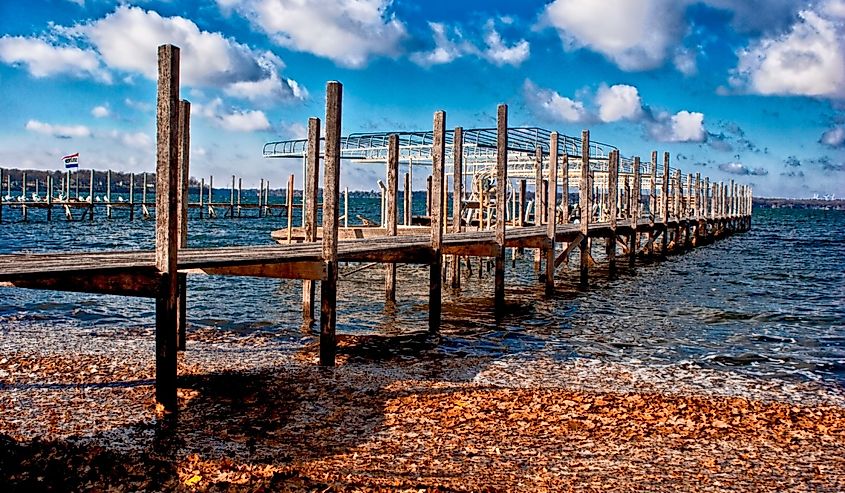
(256, 415)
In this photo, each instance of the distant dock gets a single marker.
(634, 208)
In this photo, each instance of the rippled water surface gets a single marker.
(768, 302)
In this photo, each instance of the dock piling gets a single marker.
(551, 229)
(586, 207)
(438, 155)
(328, 287)
(501, 201)
(312, 187)
(392, 191)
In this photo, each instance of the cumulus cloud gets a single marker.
(137, 140)
(450, 44)
(100, 111)
(809, 60)
(835, 137)
(740, 169)
(127, 40)
(618, 102)
(499, 53)
(58, 131)
(348, 32)
(635, 35)
(233, 119)
(43, 59)
(683, 126)
(551, 106)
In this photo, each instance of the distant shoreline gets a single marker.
(779, 203)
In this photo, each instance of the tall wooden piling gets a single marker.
(636, 197)
(392, 192)
(311, 192)
(24, 208)
(501, 200)
(584, 190)
(232, 199)
(613, 210)
(131, 196)
(564, 185)
(539, 192)
(406, 199)
(331, 186)
(288, 206)
(551, 229)
(664, 213)
(438, 155)
(457, 200)
(167, 176)
(184, 173)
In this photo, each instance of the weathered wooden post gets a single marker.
(183, 172)
(538, 200)
(312, 187)
(664, 213)
(328, 287)
(24, 208)
(584, 190)
(613, 209)
(49, 185)
(131, 196)
(392, 192)
(652, 203)
(520, 210)
(240, 191)
(564, 185)
(438, 154)
(1, 198)
(145, 213)
(406, 200)
(288, 205)
(551, 229)
(501, 201)
(636, 197)
(90, 197)
(232, 199)
(202, 197)
(167, 240)
(261, 198)
(108, 192)
(539, 189)
(457, 200)
(699, 205)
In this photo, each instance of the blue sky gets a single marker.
(751, 90)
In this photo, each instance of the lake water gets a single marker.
(769, 302)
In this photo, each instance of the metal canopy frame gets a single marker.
(479, 151)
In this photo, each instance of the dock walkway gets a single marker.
(673, 222)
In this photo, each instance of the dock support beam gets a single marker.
(551, 229)
(612, 195)
(328, 287)
(167, 240)
(501, 201)
(392, 192)
(636, 197)
(438, 155)
(312, 187)
(182, 205)
(457, 200)
(586, 210)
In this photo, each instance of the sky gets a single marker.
(747, 90)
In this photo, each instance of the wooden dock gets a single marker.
(666, 220)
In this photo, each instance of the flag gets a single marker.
(71, 161)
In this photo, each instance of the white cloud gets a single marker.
(137, 140)
(618, 102)
(741, 169)
(59, 131)
(235, 120)
(808, 60)
(683, 126)
(100, 111)
(684, 60)
(141, 106)
(835, 137)
(445, 50)
(551, 106)
(499, 53)
(43, 59)
(128, 38)
(495, 50)
(634, 34)
(348, 32)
